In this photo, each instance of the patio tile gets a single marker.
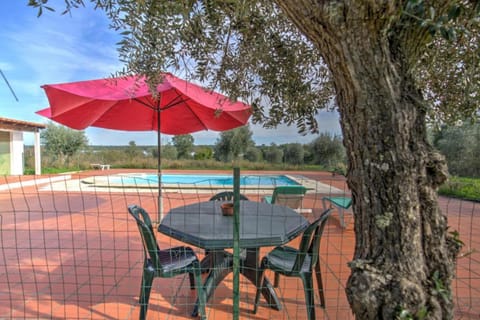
(78, 255)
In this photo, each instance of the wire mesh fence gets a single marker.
(70, 250)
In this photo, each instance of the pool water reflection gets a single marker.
(151, 180)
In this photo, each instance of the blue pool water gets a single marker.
(202, 180)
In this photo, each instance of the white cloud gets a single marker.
(58, 49)
(54, 48)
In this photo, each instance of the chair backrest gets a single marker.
(310, 243)
(144, 223)
(226, 196)
(290, 196)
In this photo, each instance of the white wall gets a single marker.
(16, 152)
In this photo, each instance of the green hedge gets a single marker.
(184, 164)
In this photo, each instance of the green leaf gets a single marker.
(452, 35)
(454, 12)
(444, 33)
(448, 33)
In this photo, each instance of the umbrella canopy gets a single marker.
(126, 103)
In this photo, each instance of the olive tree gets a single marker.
(184, 145)
(391, 66)
(132, 150)
(273, 154)
(328, 150)
(461, 146)
(253, 154)
(293, 153)
(62, 143)
(233, 143)
(168, 152)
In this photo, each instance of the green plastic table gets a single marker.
(261, 224)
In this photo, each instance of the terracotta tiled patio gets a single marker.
(76, 254)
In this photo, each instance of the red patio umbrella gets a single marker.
(127, 103)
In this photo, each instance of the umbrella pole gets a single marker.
(236, 242)
(159, 162)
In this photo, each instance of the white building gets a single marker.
(11, 145)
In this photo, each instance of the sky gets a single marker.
(57, 48)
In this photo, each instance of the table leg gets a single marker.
(222, 266)
(249, 268)
(206, 263)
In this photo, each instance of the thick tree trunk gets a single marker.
(401, 254)
(404, 259)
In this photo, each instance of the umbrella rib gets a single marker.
(179, 94)
(145, 104)
(172, 104)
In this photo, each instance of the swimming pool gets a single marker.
(191, 180)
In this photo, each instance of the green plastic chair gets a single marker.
(290, 196)
(341, 203)
(299, 263)
(164, 263)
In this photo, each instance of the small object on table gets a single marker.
(227, 209)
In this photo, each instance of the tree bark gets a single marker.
(404, 258)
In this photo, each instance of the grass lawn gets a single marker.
(464, 188)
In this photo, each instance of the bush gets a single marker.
(461, 147)
(253, 154)
(340, 168)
